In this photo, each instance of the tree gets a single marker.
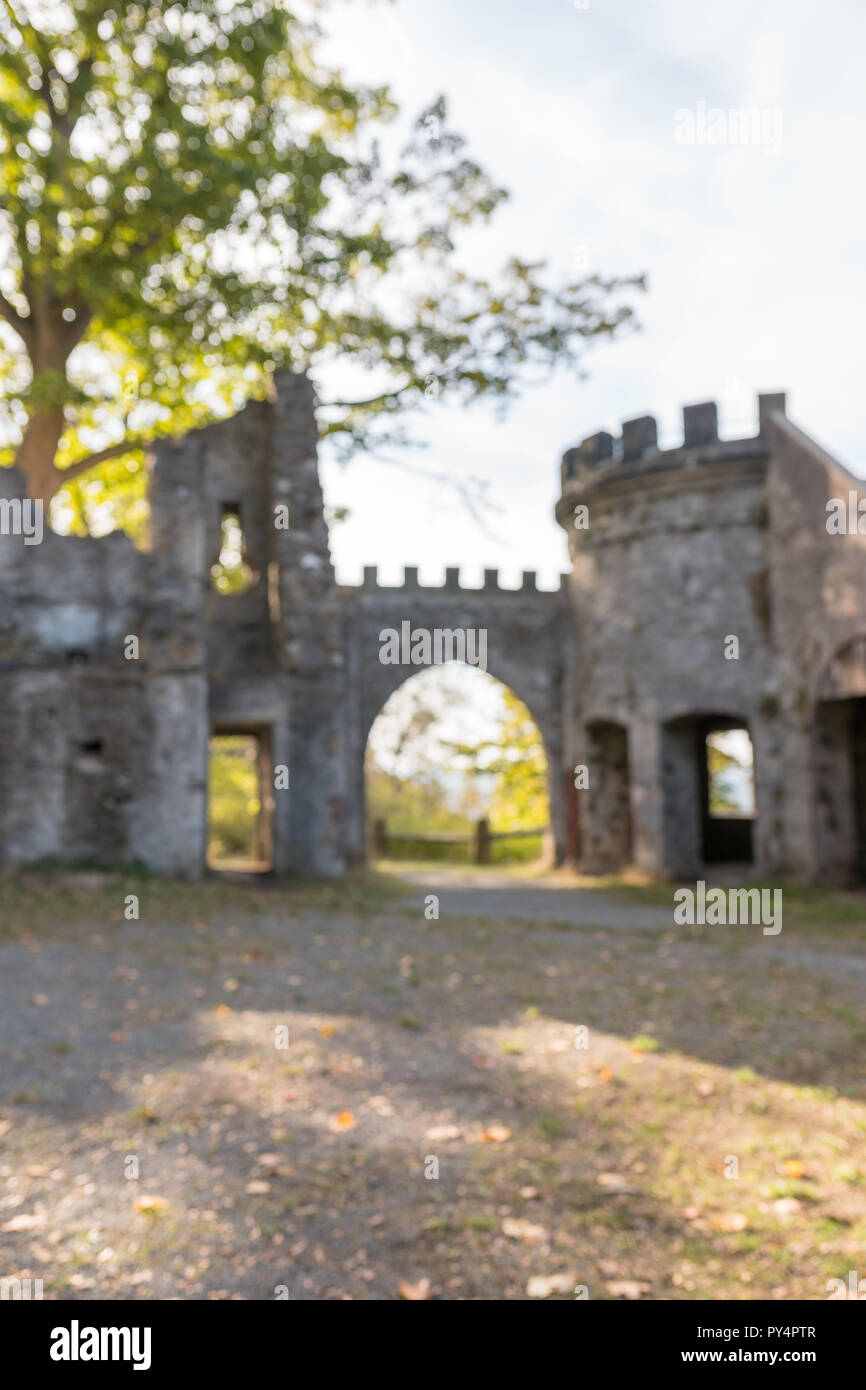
(190, 199)
(516, 757)
(730, 773)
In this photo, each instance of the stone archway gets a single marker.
(468, 705)
(529, 648)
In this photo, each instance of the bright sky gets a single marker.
(755, 258)
(469, 708)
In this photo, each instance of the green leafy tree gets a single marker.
(517, 760)
(403, 765)
(410, 803)
(190, 199)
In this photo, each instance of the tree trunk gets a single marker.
(50, 339)
(37, 451)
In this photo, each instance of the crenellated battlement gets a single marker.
(636, 447)
(451, 584)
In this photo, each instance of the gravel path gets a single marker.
(484, 894)
(159, 1141)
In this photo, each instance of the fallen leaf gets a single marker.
(729, 1221)
(382, 1106)
(415, 1293)
(626, 1288)
(443, 1132)
(495, 1134)
(27, 1221)
(528, 1193)
(327, 1030)
(787, 1206)
(605, 1074)
(615, 1182)
(483, 1062)
(223, 1009)
(543, 1285)
(520, 1229)
(345, 1120)
(150, 1204)
(257, 1187)
(794, 1168)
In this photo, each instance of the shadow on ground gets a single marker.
(414, 1043)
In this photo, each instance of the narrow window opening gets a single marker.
(92, 745)
(232, 573)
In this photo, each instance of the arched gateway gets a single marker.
(523, 637)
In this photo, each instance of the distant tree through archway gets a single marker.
(452, 755)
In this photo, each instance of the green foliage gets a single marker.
(417, 801)
(190, 199)
(234, 798)
(517, 758)
(411, 803)
(231, 574)
(410, 794)
(727, 762)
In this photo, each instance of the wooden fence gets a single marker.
(478, 840)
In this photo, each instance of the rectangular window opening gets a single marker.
(728, 786)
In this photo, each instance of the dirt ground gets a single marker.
(323, 1091)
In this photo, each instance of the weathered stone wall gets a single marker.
(819, 603)
(684, 550)
(274, 651)
(105, 758)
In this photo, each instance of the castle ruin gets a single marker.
(626, 668)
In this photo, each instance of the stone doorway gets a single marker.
(240, 800)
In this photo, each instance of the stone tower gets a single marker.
(675, 553)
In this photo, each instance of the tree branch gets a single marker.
(470, 493)
(373, 400)
(12, 15)
(113, 451)
(22, 326)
